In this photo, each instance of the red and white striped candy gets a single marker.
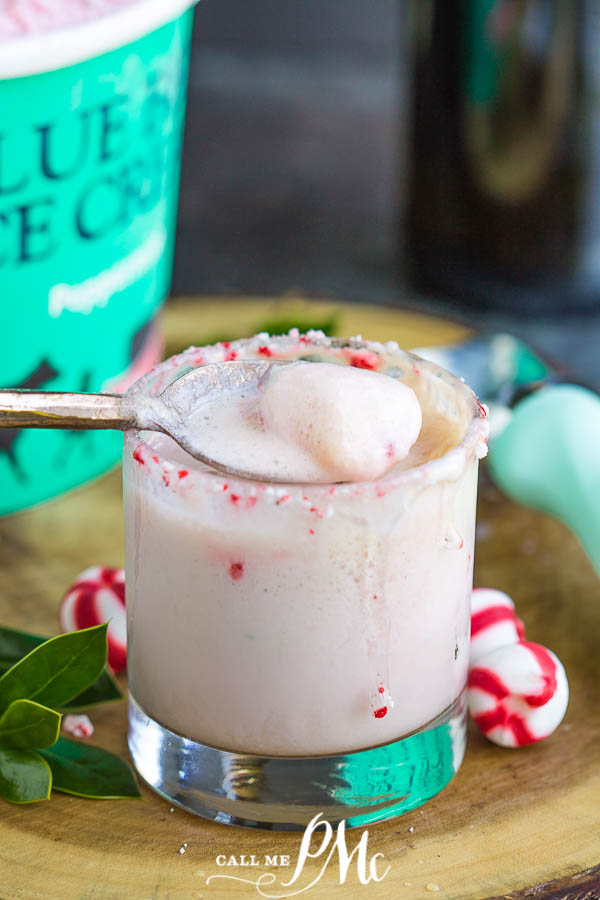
(97, 596)
(78, 726)
(493, 622)
(518, 694)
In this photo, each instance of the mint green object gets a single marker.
(407, 773)
(89, 177)
(548, 457)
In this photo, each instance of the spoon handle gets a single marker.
(57, 409)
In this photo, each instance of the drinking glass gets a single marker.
(302, 648)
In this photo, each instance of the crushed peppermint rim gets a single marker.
(371, 355)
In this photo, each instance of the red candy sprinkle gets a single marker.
(248, 503)
(137, 455)
(230, 356)
(265, 351)
(364, 359)
(183, 473)
(236, 570)
(390, 450)
(381, 711)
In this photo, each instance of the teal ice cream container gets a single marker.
(91, 127)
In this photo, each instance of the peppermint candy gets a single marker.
(78, 726)
(493, 622)
(518, 694)
(517, 690)
(97, 596)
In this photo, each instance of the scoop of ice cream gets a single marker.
(355, 424)
(300, 422)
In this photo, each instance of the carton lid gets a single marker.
(43, 52)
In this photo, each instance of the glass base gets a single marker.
(285, 793)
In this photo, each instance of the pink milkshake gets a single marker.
(312, 619)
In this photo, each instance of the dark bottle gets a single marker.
(504, 191)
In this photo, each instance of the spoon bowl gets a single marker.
(180, 405)
(186, 393)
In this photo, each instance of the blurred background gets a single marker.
(290, 171)
(443, 155)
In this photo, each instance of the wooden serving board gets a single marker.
(510, 820)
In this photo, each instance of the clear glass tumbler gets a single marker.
(295, 649)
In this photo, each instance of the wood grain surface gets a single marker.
(522, 823)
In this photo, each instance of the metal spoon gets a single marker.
(166, 413)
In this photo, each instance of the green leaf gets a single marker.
(280, 324)
(104, 690)
(24, 776)
(89, 771)
(28, 726)
(57, 670)
(14, 645)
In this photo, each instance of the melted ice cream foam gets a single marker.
(21, 17)
(310, 422)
